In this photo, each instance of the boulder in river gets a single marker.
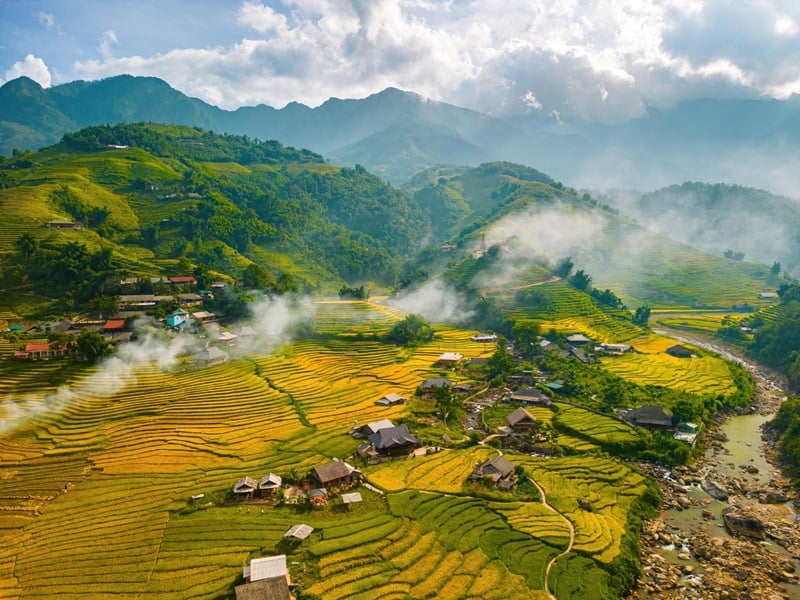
(714, 488)
(743, 524)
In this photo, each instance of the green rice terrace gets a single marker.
(97, 471)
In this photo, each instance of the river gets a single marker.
(691, 554)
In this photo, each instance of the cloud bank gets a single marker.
(593, 59)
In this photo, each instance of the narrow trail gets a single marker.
(566, 551)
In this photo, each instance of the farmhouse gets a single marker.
(334, 474)
(616, 349)
(450, 359)
(520, 419)
(245, 487)
(204, 316)
(247, 331)
(484, 338)
(270, 485)
(370, 428)
(650, 416)
(391, 399)
(581, 355)
(497, 469)
(210, 356)
(531, 396)
(462, 388)
(351, 498)
(767, 296)
(189, 299)
(394, 441)
(183, 280)
(679, 351)
(578, 339)
(141, 301)
(429, 386)
(64, 225)
(43, 351)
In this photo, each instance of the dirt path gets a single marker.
(568, 548)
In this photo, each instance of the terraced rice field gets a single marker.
(596, 429)
(570, 311)
(651, 365)
(445, 471)
(97, 468)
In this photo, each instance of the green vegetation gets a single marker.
(786, 426)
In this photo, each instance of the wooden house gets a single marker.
(497, 469)
(210, 356)
(531, 396)
(245, 487)
(520, 420)
(334, 474)
(273, 588)
(42, 351)
(450, 359)
(370, 428)
(391, 399)
(270, 485)
(183, 280)
(429, 386)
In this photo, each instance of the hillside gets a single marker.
(157, 199)
(719, 218)
(534, 220)
(393, 132)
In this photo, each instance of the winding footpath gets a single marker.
(566, 551)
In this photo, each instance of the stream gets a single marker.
(739, 458)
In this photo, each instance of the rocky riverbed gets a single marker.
(728, 528)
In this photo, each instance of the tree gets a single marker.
(526, 335)
(501, 362)
(580, 281)
(447, 404)
(641, 316)
(255, 276)
(411, 331)
(775, 269)
(27, 245)
(92, 346)
(564, 267)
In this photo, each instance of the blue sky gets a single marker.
(591, 59)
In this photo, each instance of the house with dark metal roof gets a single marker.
(431, 385)
(679, 351)
(653, 417)
(270, 484)
(394, 441)
(531, 396)
(391, 399)
(245, 487)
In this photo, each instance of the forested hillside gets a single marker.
(155, 200)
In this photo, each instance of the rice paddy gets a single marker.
(651, 365)
(96, 476)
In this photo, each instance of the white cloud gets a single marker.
(786, 27)
(107, 41)
(32, 67)
(594, 59)
(260, 17)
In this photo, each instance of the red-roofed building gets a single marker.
(114, 325)
(41, 351)
(183, 280)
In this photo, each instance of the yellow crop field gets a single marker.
(444, 471)
(651, 365)
(96, 476)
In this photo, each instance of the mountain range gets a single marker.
(396, 134)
